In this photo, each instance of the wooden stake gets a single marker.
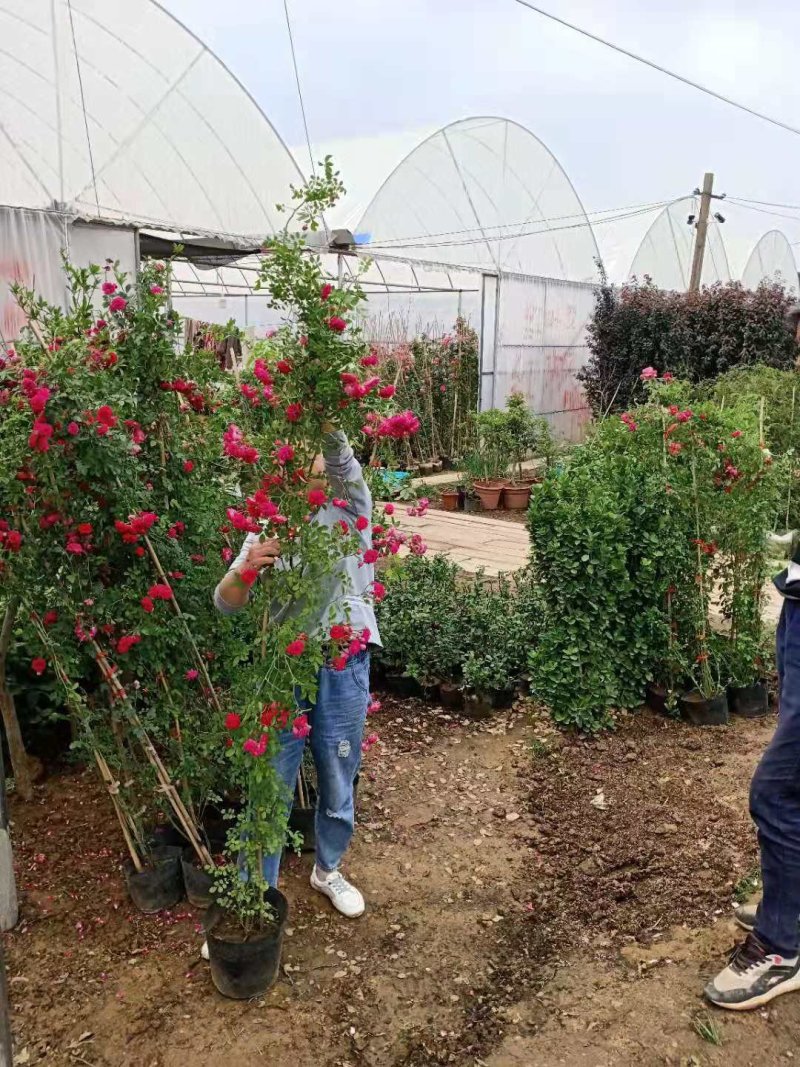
(165, 782)
(16, 746)
(112, 788)
(176, 608)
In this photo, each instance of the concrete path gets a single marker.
(473, 541)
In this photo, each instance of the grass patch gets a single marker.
(708, 1029)
(747, 886)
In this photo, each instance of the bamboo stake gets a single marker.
(126, 823)
(176, 608)
(179, 738)
(113, 790)
(165, 782)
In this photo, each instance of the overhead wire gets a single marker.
(389, 241)
(662, 70)
(299, 89)
(545, 231)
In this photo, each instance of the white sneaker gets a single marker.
(344, 897)
(204, 950)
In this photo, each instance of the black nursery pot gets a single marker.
(749, 701)
(160, 884)
(701, 712)
(244, 969)
(167, 834)
(301, 821)
(197, 881)
(656, 698)
(404, 685)
(478, 705)
(451, 696)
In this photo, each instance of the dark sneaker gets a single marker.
(745, 916)
(753, 977)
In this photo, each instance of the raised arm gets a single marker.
(233, 592)
(345, 474)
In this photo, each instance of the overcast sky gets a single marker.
(623, 133)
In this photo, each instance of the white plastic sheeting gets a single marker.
(665, 254)
(30, 255)
(534, 341)
(484, 193)
(404, 298)
(115, 109)
(771, 260)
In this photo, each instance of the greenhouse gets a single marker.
(399, 547)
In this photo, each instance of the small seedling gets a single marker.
(707, 1028)
(539, 748)
(747, 886)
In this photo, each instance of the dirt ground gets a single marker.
(532, 900)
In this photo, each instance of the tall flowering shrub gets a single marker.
(437, 377)
(656, 523)
(110, 479)
(314, 375)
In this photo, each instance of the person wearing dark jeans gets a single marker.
(767, 964)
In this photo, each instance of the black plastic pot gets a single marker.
(701, 712)
(656, 698)
(749, 701)
(478, 705)
(196, 880)
(404, 685)
(244, 969)
(167, 834)
(160, 884)
(302, 820)
(451, 696)
(472, 504)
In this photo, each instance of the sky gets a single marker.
(624, 134)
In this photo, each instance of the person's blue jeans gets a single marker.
(337, 720)
(775, 800)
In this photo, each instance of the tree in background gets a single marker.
(694, 336)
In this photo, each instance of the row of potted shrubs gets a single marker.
(463, 638)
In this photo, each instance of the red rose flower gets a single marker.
(232, 721)
(38, 665)
(50, 617)
(147, 604)
(336, 323)
(119, 303)
(296, 647)
(125, 644)
(325, 291)
(188, 466)
(160, 591)
(294, 412)
(316, 498)
(362, 522)
(284, 366)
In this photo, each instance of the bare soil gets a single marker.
(533, 899)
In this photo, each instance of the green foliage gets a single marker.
(696, 336)
(658, 512)
(436, 377)
(129, 469)
(504, 439)
(439, 625)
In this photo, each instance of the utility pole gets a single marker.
(701, 233)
